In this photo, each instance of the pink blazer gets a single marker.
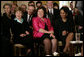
(37, 24)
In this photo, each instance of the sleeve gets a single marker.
(12, 28)
(50, 27)
(35, 24)
(15, 28)
(57, 30)
(26, 26)
(72, 26)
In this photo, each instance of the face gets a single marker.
(63, 14)
(23, 8)
(56, 7)
(18, 14)
(30, 10)
(40, 13)
(14, 7)
(50, 4)
(71, 6)
(38, 5)
(7, 9)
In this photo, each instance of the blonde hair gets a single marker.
(19, 9)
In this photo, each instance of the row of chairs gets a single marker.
(38, 49)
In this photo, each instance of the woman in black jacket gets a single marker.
(21, 31)
(64, 29)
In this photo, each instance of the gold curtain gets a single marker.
(44, 2)
(15, 2)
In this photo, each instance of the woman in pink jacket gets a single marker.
(43, 31)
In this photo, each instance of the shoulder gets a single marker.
(56, 10)
(47, 19)
(35, 19)
(14, 21)
(4, 15)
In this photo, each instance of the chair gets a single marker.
(60, 45)
(19, 51)
(38, 48)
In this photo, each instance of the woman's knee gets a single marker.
(70, 37)
(54, 40)
(46, 40)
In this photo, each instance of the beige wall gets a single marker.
(44, 2)
(19, 3)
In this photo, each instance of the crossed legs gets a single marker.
(68, 39)
(50, 45)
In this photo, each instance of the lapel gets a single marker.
(42, 22)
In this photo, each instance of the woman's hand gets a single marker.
(64, 33)
(27, 33)
(80, 27)
(50, 32)
(51, 35)
(22, 35)
(45, 31)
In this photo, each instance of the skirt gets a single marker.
(27, 41)
(40, 40)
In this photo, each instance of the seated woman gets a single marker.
(43, 31)
(21, 32)
(64, 29)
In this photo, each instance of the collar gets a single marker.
(45, 19)
(18, 20)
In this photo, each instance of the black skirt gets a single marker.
(40, 40)
(27, 41)
(46, 36)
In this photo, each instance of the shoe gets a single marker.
(78, 54)
(55, 54)
(47, 55)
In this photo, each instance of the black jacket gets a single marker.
(25, 18)
(60, 26)
(54, 16)
(18, 28)
(6, 25)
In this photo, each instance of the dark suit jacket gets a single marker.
(25, 18)
(6, 25)
(54, 16)
(79, 5)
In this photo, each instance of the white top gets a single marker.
(28, 18)
(51, 11)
